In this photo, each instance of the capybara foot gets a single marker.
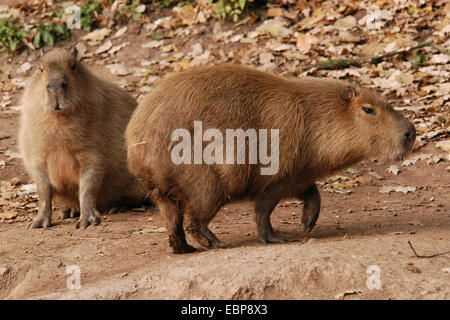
(311, 209)
(184, 248)
(92, 217)
(309, 220)
(40, 222)
(177, 240)
(271, 237)
(308, 226)
(206, 238)
(66, 213)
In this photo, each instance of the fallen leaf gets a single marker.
(351, 171)
(153, 44)
(27, 189)
(304, 42)
(436, 159)
(97, 35)
(440, 58)
(409, 162)
(151, 229)
(24, 67)
(393, 169)
(186, 14)
(444, 145)
(120, 32)
(275, 27)
(376, 175)
(346, 23)
(119, 69)
(274, 12)
(411, 267)
(117, 48)
(140, 8)
(362, 180)
(8, 215)
(197, 49)
(265, 58)
(389, 189)
(104, 47)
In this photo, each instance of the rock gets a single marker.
(4, 271)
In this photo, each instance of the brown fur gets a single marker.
(322, 128)
(72, 140)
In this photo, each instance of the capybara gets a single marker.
(324, 125)
(72, 141)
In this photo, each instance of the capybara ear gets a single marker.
(349, 93)
(74, 51)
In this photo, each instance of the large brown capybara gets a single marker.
(72, 141)
(323, 125)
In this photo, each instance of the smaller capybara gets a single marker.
(317, 126)
(72, 141)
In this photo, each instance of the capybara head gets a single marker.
(59, 71)
(381, 131)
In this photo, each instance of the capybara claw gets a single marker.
(307, 227)
(184, 249)
(40, 222)
(85, 222)
(274, 238)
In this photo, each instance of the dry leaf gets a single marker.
(393, 169)
(411, 267)
(389, 189)
(8, 215)
(97, 35)
(119, 69)
(304, 42)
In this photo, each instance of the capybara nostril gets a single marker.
(411, 133)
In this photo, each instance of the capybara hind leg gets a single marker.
(198, 228)
(205, 237)
(174, 223)
(311, 209)
(44, 189)
(65, 213)
(264, 207)
(90, 181)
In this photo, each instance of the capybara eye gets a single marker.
(369, 111)
(64, 85)
(49, 87)
(73, 66)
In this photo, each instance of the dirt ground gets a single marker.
(356, 232)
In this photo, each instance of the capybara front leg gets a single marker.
(45, 193)
(90, 182)
(311, 209)
(174, 223)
